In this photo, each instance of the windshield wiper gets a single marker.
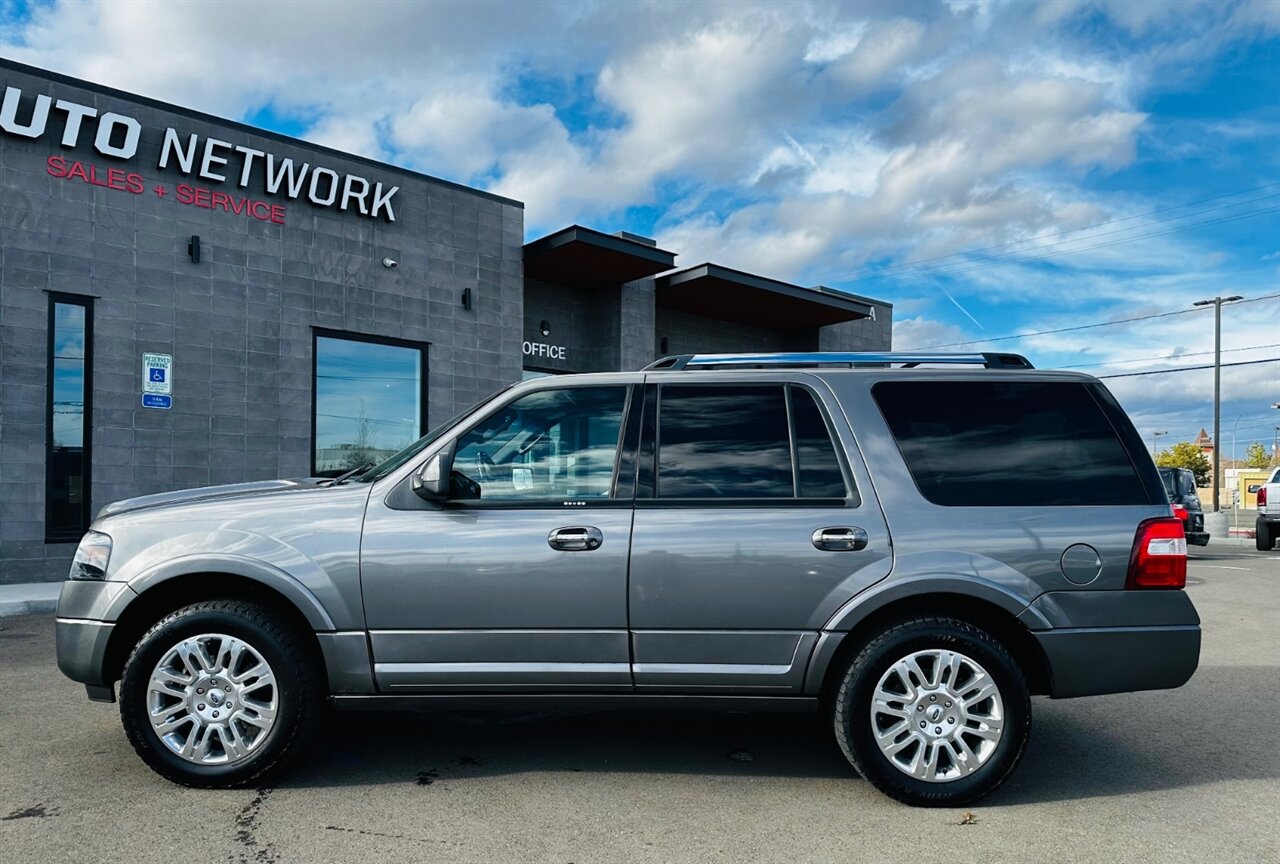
(359, 469)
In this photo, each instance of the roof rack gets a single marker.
(847, 359)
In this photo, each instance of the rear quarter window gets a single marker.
(1008, 444)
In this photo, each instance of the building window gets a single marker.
(70, 376)
(370, 400)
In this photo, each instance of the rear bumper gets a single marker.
(1198, 538)
(1091, 661)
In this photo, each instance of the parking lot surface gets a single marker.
(1185, 775)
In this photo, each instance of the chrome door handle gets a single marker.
(578, 538)
(840, 539)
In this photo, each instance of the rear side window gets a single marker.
(1008, 444)
(818, 471)
(723, 442)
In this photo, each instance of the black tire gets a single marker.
(1262, 537)
(292, 661)
(851, 710)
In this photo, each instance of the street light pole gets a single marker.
(1217, 302)
(1154, 436)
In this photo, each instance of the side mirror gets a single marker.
(431, 481)
(1254, 487)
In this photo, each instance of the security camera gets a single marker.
(390, 262)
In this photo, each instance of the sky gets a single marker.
(993, 169)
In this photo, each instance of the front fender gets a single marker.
(273, 564)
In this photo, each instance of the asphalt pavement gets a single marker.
(1185, 775)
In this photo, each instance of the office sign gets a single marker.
(543, 349)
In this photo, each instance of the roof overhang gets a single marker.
(731, 295)
(580, 257)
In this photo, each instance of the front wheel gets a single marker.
(934, 712)
(219, 694)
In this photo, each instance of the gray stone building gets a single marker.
(186, 301)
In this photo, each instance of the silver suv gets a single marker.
(913, 545)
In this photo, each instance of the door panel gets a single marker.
(745, 578)
(446, 588)
(749, 533)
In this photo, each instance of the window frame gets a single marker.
(318, 333)
(86, 507)
(646, 466)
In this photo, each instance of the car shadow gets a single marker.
(1205, 732)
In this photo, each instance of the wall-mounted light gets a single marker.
(390, 263)
(466, 299)
(193, 248)
(545, 327)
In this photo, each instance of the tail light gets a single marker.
(1262, 496)
(1181, 512)
(1159, 556)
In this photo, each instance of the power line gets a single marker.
(1089, 227)
(1087, 326)
(910, 266)
(1190, 368)
(1169, 357)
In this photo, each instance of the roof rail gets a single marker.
(850, 359)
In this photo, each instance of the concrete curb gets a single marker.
(32, 598)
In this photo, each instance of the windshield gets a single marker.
(395, 460)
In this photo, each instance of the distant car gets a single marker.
(1267, 528)
(1180, 483)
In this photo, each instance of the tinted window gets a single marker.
(67, 464)
(1008, 444)
(723, 442)
(553, 444)
(819, 469)
(368, 401)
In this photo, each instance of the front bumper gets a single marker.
(82, 634)
(82, 649)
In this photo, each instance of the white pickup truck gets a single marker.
(1268, 526)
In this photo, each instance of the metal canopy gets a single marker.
(582, 258)
(717, 292)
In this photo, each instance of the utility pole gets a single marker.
(1216, 303)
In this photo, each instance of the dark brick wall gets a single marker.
(238, 324)
(688, 334)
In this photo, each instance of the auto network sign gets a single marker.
(116, 136)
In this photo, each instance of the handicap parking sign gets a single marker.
(157, 374)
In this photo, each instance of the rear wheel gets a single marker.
(219, 694)
(1262, 536)
(933, 711)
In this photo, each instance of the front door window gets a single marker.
(552, 445)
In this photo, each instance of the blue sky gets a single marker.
(991, 168)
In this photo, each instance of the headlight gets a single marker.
(91, 557)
